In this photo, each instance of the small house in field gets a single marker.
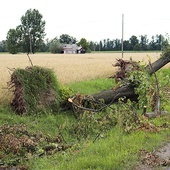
(72, 49)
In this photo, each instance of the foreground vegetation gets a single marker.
(111, 139)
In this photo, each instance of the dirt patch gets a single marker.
(159, 159)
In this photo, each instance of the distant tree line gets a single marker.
(133, 44)
(29, 36)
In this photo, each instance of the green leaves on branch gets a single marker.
(13, 40)
(145, 87)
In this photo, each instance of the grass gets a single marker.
(92, 86)
(38, 123)
(117, 151)
(114, 150)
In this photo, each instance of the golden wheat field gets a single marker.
(69, 67)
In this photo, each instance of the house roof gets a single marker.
(71, 47)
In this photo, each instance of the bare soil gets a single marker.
(157, 160)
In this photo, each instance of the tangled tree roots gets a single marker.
(124, 68)
(35, 89)
(18, 102)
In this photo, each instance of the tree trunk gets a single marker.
(158, 64)
(111, 96)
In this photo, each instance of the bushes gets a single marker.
(55, 47)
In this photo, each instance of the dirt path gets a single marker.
(158, 160)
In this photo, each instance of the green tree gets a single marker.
(133, 41)
(33, 30)
(67, 39)
(144, 42)
(165, 42)
(3, 46)
(109, 45)
(45, 46)
(97, 46)
(104, 45)
(159, 41)
(100, 45)
(92, 45)
(137, 47)
(55, 46)
(117, 45)
(152, 44)
(126, 45)
(83, 42)
(13, 41)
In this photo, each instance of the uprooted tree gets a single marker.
(126, 91)
(36, 88)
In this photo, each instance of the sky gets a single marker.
(94, 20)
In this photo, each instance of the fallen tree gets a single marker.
(126, 91)
(36, 88)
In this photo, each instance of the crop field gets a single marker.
(69, 67)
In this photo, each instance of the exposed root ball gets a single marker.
(35, 89)
(125, 67)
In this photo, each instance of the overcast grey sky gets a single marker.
(91, 19)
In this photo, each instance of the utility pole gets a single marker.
(122, 32)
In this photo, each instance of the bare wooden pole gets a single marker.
(122, 32)
(30, 60)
